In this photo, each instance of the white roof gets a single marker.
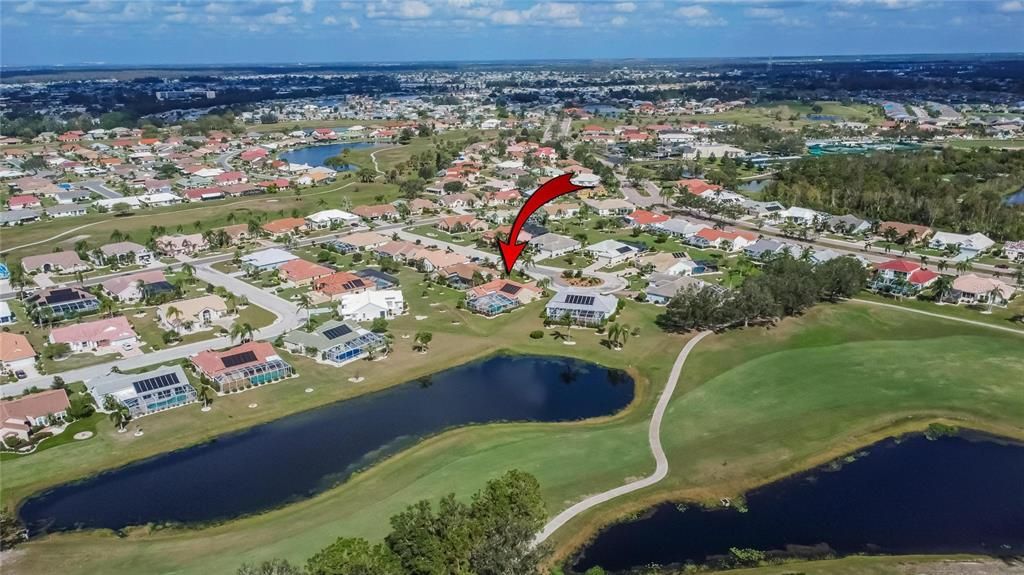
(159, 198)
(332, 215)
(388, 298)
(108, 203)
(611, 248)
(975, 241)
(269, 257)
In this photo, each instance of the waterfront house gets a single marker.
(156, 390)
(369, 305)
(582, 307)
(19, 416)
(500, 295)
(338, 342)
(249, 364)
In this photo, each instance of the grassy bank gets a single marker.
(752, 406)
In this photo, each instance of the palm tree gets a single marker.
(120, 417)
(614, 330)
(624, 334)
(422, 340)
(962, 266)
(566, 320)
(205, 393)
(305, 304)
(924, 261)
(108, 307)
(942, 285)
(189, 272)
(243, 332)
(172, 315)
(992, 295)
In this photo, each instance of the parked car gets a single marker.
(20, 374)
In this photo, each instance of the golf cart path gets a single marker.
(653, 437)
(940, 316)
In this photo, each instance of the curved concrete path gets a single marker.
(373, 156)
(653, 437)
(939, 315)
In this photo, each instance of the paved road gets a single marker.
(224, 160)
(653, 438)
(100, 188)
(288, 318)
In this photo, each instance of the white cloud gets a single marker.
(764, 12)
(176, 17)
(329, 20)
(625, 7)
(1011, 6)
(405, 9)
(25, 7)
(280, 17)
(558, 14)
(217, 8)
(308, 6)
(618, 21)
(353, 23)
(699, 16)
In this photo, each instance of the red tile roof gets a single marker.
(899, 266)
(14, 346)
(34, 405)
(301, 270)
(211, 362)
(644, 217)
(110, 329)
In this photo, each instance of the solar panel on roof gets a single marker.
(61, 295)
(624, 249)
(338, 331)
(579, 299)
(679, 255)
(151, 383)
(238, 358)
(510, 289)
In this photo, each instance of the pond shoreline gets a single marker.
(669, 511)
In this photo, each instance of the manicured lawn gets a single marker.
(752, 406)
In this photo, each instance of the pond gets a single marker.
(316, 156)
(304, 454)
(1016, 198)
(909, 496)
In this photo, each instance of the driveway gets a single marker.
(100, 188)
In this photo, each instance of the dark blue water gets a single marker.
(304, 454)
(317, 155)
(1016, 198)
(914, 496)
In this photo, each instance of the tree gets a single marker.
(120, 417)
(205, 393)
(189, 271)
(841, 277)
(507, 515)
(422, 340)
(941, 287)
(243, 332)
(12, 531)
(173, 315)
(428, 543)
(271, 567)
(305, 304)
(354, 556)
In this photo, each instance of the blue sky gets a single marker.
(38, 32)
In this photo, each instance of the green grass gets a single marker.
(752, 406)
(973, 144)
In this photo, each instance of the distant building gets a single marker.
(145, 393)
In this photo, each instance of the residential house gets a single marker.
(65, 211)
(610, 206)
(268, 259)
(379, 279)
(332, 287)
(15, 217)
(455, 201)
(101, 335)
(554, 245)
(338, 342)
(181, 244)
(377, 212)
(431, 259)
(581, 307)
(674, 264)
(16, 353)
(765, 248)
(192, 315)
(972, 289)
(360, 241)
(331, 219)
(464, 275)
(678, 227)
(237, 233)
(500, 295)
(902, 277)
(502, 232)
(280, 227)
(369, 305)
(136, 287)
(61, 302)
(970, 245)
(125, 253)
(729, 241)
(461, 223)
(61, 262)
(251, 364)
(561, 211)
(19, 416)
(849, 225)
(23, 202)
(299, 272)
(7, 316)
(420, 205)
(612, 252)
(1014, 251)
(645, 218)
(661, 288)
(917, 232)
(800, 216)
(156, 390)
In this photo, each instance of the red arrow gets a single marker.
(553, 188)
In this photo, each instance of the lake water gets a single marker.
(316, 155)
(304, 454)
(950, 495)
(1016, 198)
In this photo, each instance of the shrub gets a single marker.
(536, 334)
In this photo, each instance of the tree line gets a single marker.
(958, 190)
(787, 286)
(491, 535)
